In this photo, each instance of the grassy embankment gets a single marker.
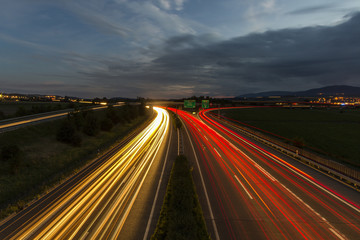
(181, 216)
(44, 161)
(334, 132)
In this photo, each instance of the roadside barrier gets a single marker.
(344, 173)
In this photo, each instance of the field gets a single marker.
(334, 132)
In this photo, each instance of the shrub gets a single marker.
(67, 134)
(106, 124)
(113, 114)
(91, 126)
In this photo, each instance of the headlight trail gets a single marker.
(261, 195)
(17, 124)
(97, 207)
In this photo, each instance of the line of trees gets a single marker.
(91, 123)
(40, 108)
(77, 124)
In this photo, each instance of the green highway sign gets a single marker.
(205, 103)
(189, 103)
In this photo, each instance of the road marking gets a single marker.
(265, 172)
(157, 192)
(204, 187)
(336, 232)
(178, 135)
(282, 162)
(84, 235)
(217, 152)
(243, 187)
(338, 235)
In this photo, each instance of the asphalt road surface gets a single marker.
(253, 192)
(15, 123)
(95, 203)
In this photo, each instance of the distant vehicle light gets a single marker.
(103, 103)
(194, 113)
(147, 106)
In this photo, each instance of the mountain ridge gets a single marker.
(334, 90)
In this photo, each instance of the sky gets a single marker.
(177, 48)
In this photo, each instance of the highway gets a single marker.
(14, 123)
(96, 206)
(253, 192)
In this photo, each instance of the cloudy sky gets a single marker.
(177, 48)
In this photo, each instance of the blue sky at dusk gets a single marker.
(177, 48)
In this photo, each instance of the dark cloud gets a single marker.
(275, 60)
(312, 9)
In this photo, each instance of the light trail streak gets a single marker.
(15, 124)
(97, 207)
(37, 119)
(237, 179)
(320, 213)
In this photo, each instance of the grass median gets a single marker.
(181, 216)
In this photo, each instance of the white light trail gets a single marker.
(97, 207)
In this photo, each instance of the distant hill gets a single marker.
(337, 90)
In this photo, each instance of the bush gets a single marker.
(67, 134)
(78, 119)
(91, 126)
(113, 114)
(106, 124)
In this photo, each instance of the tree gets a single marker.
(67, 134)
(113, 114)
(142, 106)
(77, 118)
(91, 126)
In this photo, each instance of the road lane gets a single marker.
(12, 124)
(97, 206)
(257, 194)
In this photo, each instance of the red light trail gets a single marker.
(259, 194)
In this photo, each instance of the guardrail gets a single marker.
(346, 174)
